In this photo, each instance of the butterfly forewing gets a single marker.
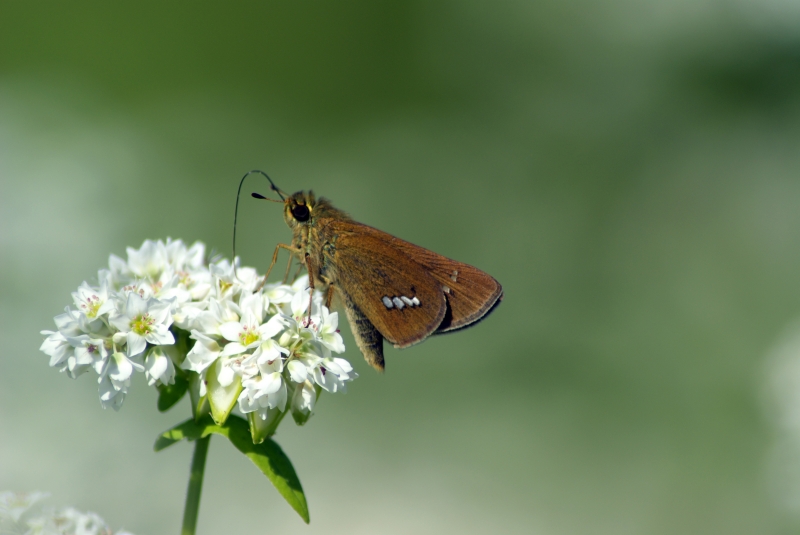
(401, 299)
(470, 293)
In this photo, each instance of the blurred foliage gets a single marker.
(628, 171)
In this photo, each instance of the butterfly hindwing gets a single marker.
(470, 293)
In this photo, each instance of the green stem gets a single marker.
(192, 507)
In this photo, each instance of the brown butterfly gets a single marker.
(391, 289)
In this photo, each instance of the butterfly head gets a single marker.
(303, 208)
(298, 209)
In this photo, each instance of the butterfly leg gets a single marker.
(275, 259)
(310, 287)
(329, 296)
(288, 267)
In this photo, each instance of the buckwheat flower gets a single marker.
(149, 260)
(57, 347)
(204, 352)
(158, 367)
(140, 321)
(183, 259)
(118, 273)
(217, 312)
(93, 302)
(301, 367)
(70, 520)
(333, 373)
(266, 390)
(230, 280)
(120, 367)
(249, 333)
(328, 333)
(261, 345)
(61, 345)
(277, 294)
(29, 520)
(304, 398)
(13, 505)
(299, 304)
(88, 352)
(110, 396)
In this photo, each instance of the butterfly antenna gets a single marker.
(273, 187)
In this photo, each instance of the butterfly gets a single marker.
(391, 289)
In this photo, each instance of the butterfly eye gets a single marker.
(300, 212)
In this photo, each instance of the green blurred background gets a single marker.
(629, 171)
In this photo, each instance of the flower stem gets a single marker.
(192, 507)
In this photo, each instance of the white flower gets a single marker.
(89, 352)
(18, 516)
(265, 339)
(158, 367)
(149, 260)
(119, 369)
(15, 504)
(333, 373)
(182, 259)
(278, 293)
(299, 304)
(304, 398)
(118, 274)
(141, 321)
(266, 390)
(93, 302)
(109, 395)
(303, 364)
(328, 333)
(203, 354)
(228, 282)
(217, 312)
(249, 333)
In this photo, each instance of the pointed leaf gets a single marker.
(169, 395)
(188, 430)
(267, 456)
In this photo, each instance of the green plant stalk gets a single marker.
(192, 507)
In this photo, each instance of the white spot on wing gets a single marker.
(398, 303)
(446, 289)
(415, 301)
(454, 275)
(387, 302)
(407, 301)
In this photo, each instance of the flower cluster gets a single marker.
(169, 312)
(20, 514)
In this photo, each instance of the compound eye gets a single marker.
(300, 212)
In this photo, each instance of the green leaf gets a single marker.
(188, 430)
(267, 456)
(182, 345)
(169, 395)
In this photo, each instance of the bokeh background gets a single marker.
(629, 171)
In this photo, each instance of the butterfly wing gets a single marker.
(471, 294)
(396, 294)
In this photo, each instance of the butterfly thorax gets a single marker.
(308, 217)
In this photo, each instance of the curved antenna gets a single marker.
(273, 187)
